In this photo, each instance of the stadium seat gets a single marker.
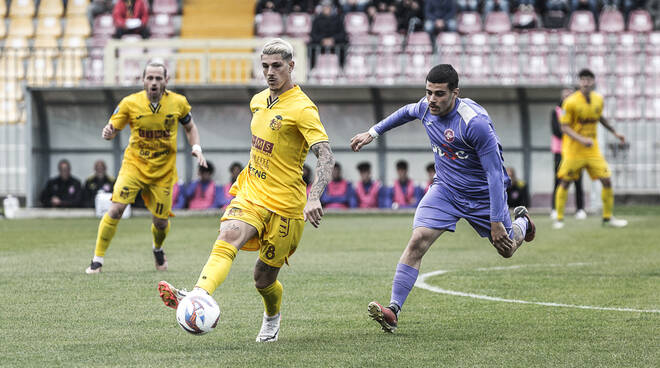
(506, 58)
(161, 26)
(357, 68)
(165, 7)
(360, 43)
(9, 112)
(40, 71)
(627, 64)
(356, 23)
(94, 72)
(104, 26)
(536, 70)
(270, 25)
(299, 25)
(507, 42)
(449, 42)
(653, 45)
(3, 29)
(627, 86)
(478, 68)
(597, 42)
(3, 9)
(597, 62)
(652, 108)
(582, 21)
(652, 64)
(11, 67)
(11, 90)
(468, 22)
(626, 42)
(69, 70)
(522, 18)
(497, 22)
(419, 42)
(390, 43)
(327, 69)
(77, 7)
(21, 27)
(477, 43)
(627, 108)
(77, 26)
(538, 42)
(384, 23)
(16, 46)
(21, 8)
(640, 21)
(388, 69)
(611, 21)
(49, 26)
(46, 45)
(417, 66)
(50, 8)
(74, 45)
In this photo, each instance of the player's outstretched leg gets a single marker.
(526, 225)
(270, 328)
(159, 230)
(271, 290)
(386, 316)
(106, 231)
(170, 295)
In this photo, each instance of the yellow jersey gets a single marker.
(283, 129)
(583, 117)
(151, 150)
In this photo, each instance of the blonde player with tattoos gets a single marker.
(270, 209)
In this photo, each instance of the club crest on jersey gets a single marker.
(449, 135)
(169, 120)
(276, 123)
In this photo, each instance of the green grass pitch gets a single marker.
(53, 314)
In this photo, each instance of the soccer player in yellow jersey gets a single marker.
(582, 111)
(149, 159)
(270, 206)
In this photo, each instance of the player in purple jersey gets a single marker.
(470, 182)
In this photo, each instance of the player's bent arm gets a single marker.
(609, 127)
(109, 132)
(324, 164)
(192, 134)
(397, 118)
(566, 129)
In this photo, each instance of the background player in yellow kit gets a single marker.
(582, 111)
(149, 159)
(269, 211)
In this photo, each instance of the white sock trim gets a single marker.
(97, 259)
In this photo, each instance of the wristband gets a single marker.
(197, 148)
(374, 134)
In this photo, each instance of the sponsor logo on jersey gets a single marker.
(276, 123)
(448, 152)
(154, 134)
(262, 145)
(449, 135)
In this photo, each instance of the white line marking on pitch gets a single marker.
(421, 283)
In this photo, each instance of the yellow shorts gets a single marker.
(158, 199)
(277, 237)
(570, 169)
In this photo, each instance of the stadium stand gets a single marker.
(50, 8)
(21, 8)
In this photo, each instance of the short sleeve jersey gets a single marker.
(151, 151)
(583, 117)
(283, 130)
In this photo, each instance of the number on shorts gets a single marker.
(270, 252)
(159, 208)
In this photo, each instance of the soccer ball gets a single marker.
(198, 313)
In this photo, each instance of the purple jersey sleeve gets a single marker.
(401, 116)
(481, 136)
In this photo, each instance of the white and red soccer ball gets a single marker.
(198, 313)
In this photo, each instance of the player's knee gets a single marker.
(116, 210)
(230, 234)
(606, 182)
(160, 224)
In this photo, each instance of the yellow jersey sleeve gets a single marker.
(185, 110)
(121, 116)
(310, 126)
(568, 108)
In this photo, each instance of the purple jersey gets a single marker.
(468, 154)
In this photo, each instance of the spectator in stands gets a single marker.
(63, 190)
(591, 5)
(404, 192)
(131, 17)
(495, 5)
(201, 194)
(555, 147)
(556, 13)
(430, 171)
(381, 6)
(99, 181)
(625, 6)
(653, 7)
(440, 16)
(467, 5)
(339, 192)
(368, 192)
(279, 6)
(328, 34)
(525, 15)
(409, 15)
(98, 7)
(517, 193)
(178, 197)
(308, 177)
(234, 169)
(301, 6)
(348, 6)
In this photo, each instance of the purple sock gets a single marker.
(522, 223)
(404, 280)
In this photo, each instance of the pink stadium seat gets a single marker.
(388, 68)
(299, 25)
(652, 108)
(536, 69)
(103, 26)
(627, 108)
(478, 68)
(165, 7)
(582, 21)
(537, 42)
(326, 70)
(384, 23)
(627, 42)
(468, 22)
(360, 44)
(507, 42)
(627, 64)
(419, 42)
(477, 43)
(653, 46)
(161, 25)
(94, 71)
(652, 64)
(449, 42)
(597, 63)
(597, 42)
(417, 66)
(652, 85)
(627, 86)
(508, 66)
(497, 22)
(390, 43)
(357, 68)
(640, 21)
(270, 25)
(611, 21)
(356, 23)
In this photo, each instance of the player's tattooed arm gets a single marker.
(325, 162)
(609, 127)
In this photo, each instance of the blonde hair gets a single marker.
(157, 64)
(278, 46)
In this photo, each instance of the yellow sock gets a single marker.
(272, 296)
(107, 229)
(607, 195)
(217, 267)
(159, 235)
(560, 201)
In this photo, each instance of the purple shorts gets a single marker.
(441, 209)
